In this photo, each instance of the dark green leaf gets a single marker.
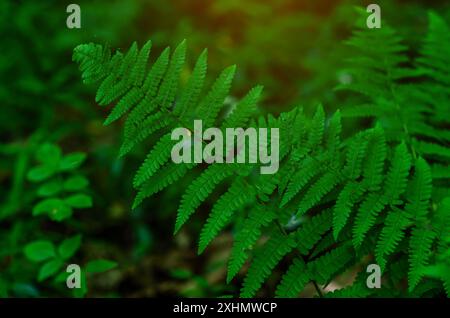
(49, 154)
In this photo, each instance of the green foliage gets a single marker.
(54, 258)
(440, 268)
(60, 194)
(59, 188)
(336, 199)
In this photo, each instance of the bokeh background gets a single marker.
(292, 47)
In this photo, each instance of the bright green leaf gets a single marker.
(100, 265)
(49, 268)
(61, 277)
(57, 209)
(72, 161)
(75, 183)
(39, 250)
(79, 201)
(69, 246)
(40, 173)
(49, 188)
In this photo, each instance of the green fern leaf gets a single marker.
(318, 190)
(397, 177)
(366, 216)
(294, 280)
(163, 178)
(374, 164)
(122, 82)
(350, 194)
(420, 191)
(191, 92)
(159, 155)
(199, 190)
(355, 155)
(244, 109)
(334, 132)
(169, 86)
(264, 261)
(392, 233)
(238, 195)
(420, 249)
(317, 128)
(308, 170)
(247, 236)
(328, 265)
(210, 106)
(311, 231)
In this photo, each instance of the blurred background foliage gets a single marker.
(292, 47)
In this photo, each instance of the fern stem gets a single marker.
(398, 108)
(317, 289)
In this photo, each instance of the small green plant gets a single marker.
(53, 258)
(60, 184)
(61, 189)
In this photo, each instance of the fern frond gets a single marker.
(358, 289)
(294, 280)
(159, 155)
(432, 149)
(134, 95)
(245, 109)
(420, 249)
(366, 216)
(121, 82)
(94, 61)
(393, 231)
(355, 155)
(435, 56)
(210, 106)
(130, 99)
(168, 88)
(308, 169)
(163, 178)
(147, 127)
(311, 231)
(350, 194)
(317, 128)
(247, 236)
(265, 260)
(192, 91)
(439, 171)
(397, 176)
(325, 267)
(318, 190)
(238, 195)
(420, 191)
(373, 166)
(199, 190)
(333, 138)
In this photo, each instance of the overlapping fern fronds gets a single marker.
(393, 89)
(334, 200)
